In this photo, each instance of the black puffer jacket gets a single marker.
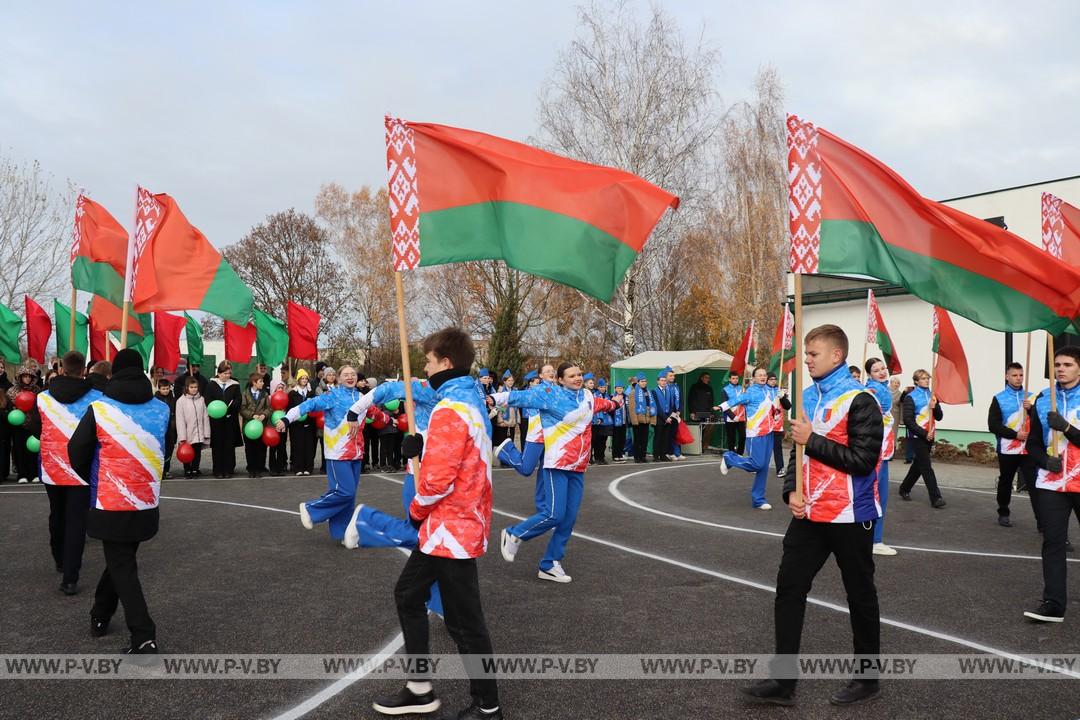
(129, 386)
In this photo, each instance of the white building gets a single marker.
(842, 301)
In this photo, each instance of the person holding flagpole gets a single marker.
(1008, 421)
(877, 373)
(921, 411)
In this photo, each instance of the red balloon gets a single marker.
(403, 423)
(279, 400)
(185, 453)
(319, 420)
(379, 420)
(25, 400)
(271, 437)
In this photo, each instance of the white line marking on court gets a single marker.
(613, 488)
(813, 601)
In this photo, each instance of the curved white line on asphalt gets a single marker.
(813, 601)
(338, 686)
(613, 488)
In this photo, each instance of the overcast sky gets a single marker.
(239, 110)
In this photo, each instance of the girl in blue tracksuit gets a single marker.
(877, 373)
(759, 400)
(526, 462)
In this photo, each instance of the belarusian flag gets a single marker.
(271, 338)
(851, 214)
(106, 316)
(742, 356)
(783, 345)
(143, 345)
(174, 266)
(458, 195)
(62, 316)
(98, 251)
(10, 329)
(1061, 229)
(193, 333)
(952, 382)
(878, 334)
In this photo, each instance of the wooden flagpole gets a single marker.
(796, 383)
(933, 381)
(1052, 450)
(406, 370)
(1027, 382)
(866, 339)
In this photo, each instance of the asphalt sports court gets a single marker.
(666, 558)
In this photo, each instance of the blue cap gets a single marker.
(587, 376)
(667, 370)
(661, 374)
(507, 373)
(531, 375)
(484, 372)
(601, 383)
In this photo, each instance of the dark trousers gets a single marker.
(778, 450)
(641, 441)
(279, 455)
(68, 505)
(807, 546)
(170, 445)
(736, 437)
(1008, 467)
(303, 448)
(222, 449)
(600, 435)
(194, 464)
(921, 467)
(390, 450)
(120, 584)
(498, 434)
(1055, 509)
(27, 463)
(255, 454)
(909, 452)
(460, 588)
(661, 440)
(371, 448)
(618, 442)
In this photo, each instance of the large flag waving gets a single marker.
(105, 316)
(1061, 229)
(783, 346)
(852, 214)
(98, 251)
(303, 332)
(239, 340)
(878, 334)
(167, 329)
(38, 330)
(743, 355)
(10, 329)
(174, 266)
(952, 384)
(271, 338)
(459, 195)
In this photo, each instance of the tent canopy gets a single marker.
(681, 361)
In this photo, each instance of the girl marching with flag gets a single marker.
(877, 373)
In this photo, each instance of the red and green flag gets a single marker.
(62, 316)
(952, 382)
(98, 251)
(459, 195)
(1061, 229)
(878, 334)
(106, 316)
(10, 329)
(782, 359)
(744, 353)
(174, 266)
(850, 214)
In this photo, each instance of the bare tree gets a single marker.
(289, 257)
(35, 231)
(637, 96)
(213, 327)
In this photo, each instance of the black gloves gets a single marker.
(412, 446)
(1057, 422)
(1053, 464)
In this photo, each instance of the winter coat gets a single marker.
(701, 398)
(1068, 442)
(639, 407)
(227, 428)
(60, 408)
(192, 422)
(1006, 418)
(250, 407)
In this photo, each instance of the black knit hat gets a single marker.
(126, 358)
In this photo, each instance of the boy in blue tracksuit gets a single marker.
(665, 407)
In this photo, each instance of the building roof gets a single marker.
(681, 361)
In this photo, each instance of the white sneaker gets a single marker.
(23, 481)
(36, 480)
(723, 466)
(498, 448)
(679, 458)
(509, 546)
(555, 574)
(352, 535)
(305, 517)
(764, 506)
(883, 549)
(299, 474)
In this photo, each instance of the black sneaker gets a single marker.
(937, 504)
(71, 588)
(148, 647)
(856, 691)
(475, 712)
(407, 702)
(98, 626)
(1046, 612)
(1004, 521)
(769, 692)
(905, 496)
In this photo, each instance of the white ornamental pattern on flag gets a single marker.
(403, 193)
(1053, 224)
(804, 195)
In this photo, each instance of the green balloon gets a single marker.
(368, 421)
(16, 417)
(217, 409)
(33, 444)
(253, 430)
(302, 418)
(393, 405)
(276, 416)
